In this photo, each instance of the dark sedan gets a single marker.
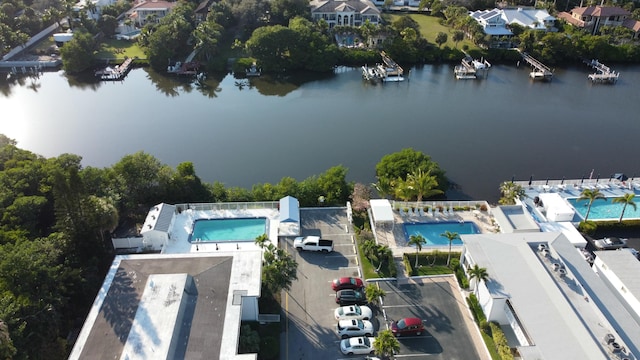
(351, 297)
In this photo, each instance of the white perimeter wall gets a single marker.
(609, 276)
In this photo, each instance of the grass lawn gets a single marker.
(430, 26)
(432, 263)
(119, 49)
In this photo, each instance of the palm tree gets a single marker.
(384, 187)
(626, 199)
(423, 183)
(591, 195)
(479, 274)
(404, 190)
(450, 236)
(262, 240)
(374, 293)
(382, 253)
(510, 192)
(418, 241)
(385, 344)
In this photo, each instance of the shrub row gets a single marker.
(462, 278)
(476, 309)
(501, 342)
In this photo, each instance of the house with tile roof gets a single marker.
(592, 18)
(143, 9)
(345, 12)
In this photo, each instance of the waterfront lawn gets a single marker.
(111, 49)
(430, 26)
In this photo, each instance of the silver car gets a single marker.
(355, 312)
(350, 328)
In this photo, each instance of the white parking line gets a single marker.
(412, 355)
(348, 267)
(341, 255)
(399, 306)
(345, 244)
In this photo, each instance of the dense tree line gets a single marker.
(56, 217)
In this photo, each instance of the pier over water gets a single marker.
(540, 70)
(603, 73)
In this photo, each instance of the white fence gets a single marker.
(227, 206)
(127, 243)
(434, 205)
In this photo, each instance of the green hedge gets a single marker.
(476, 309)
(500, 341)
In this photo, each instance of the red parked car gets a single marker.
(407, 326)
(346, 283)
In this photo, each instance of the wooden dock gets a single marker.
(115, 73)
(540, 70)
(603, 73)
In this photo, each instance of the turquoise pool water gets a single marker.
(432, 231)
(220, 230)
(602, 209)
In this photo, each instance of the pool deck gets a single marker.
(395, 237)
(572, 188)
(183, 225)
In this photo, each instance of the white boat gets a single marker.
(481, 64)
(253, 71)
(370, 74)
(463, 72)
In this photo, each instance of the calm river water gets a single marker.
(242, 132)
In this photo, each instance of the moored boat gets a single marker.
(253, 71)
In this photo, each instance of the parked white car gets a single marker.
(357, 345)
(351, 328)
(356, 312)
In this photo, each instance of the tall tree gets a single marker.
(417, 241)
(424, 184)
(374, 293)
(591, 195)
(458, 36)
(479, 274)
(385, 344)
(510, 192)
(450, 236)
(279, 269)
(626, 199)
(383, 253)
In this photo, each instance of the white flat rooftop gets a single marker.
(554, 323)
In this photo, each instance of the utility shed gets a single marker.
(382, 212)
(289, 216)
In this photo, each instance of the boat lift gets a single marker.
(603, 73)
(540, 70)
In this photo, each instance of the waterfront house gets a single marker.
(345, 12)
(496, 22)
(143, 11)
(592, 18)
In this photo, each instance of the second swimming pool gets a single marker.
(431, 231)
(602, 209)
(234, 229)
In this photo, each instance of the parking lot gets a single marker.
(309, 305)
(436, 301)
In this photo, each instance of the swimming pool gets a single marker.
(236, 229)
(602, 209)
(431, 231)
